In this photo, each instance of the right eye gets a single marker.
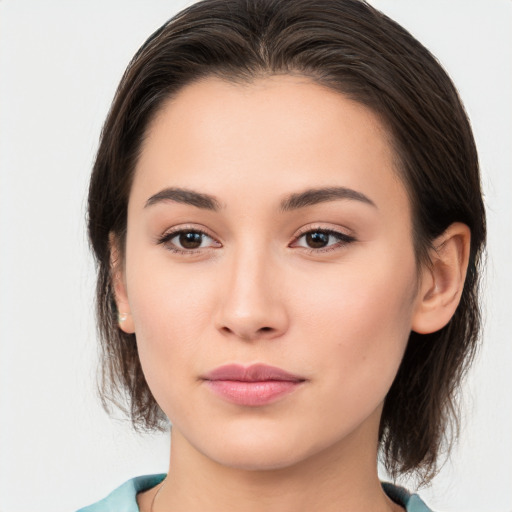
(187, 241)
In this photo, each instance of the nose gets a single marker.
(251, 304)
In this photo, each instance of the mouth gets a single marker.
(252, 386)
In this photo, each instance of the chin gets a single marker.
(254, 450)
(257, 460)
(264, 451)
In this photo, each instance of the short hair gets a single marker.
(354, 49)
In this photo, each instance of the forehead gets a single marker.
(277, 134)
(288, 105)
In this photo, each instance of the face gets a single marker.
(269, 270)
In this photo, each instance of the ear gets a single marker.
(443, 281)
(125, 320)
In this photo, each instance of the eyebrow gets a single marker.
(185, 196)
(321, 195)
(294, 201)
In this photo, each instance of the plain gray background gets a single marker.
(60, 62)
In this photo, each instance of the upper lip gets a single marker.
(252, 373)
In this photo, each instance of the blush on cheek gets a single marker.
(374, 324)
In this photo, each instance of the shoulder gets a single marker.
(124, 498)
(411, 502)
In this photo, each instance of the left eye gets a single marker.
(322, 239)
(187, 240)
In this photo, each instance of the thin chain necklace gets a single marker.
(156, 494)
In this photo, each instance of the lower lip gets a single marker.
(252, 393)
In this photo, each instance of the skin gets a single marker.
(255, 292)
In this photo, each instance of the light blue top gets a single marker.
(124, 498)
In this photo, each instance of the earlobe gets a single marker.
(443, 281)
(124, 319)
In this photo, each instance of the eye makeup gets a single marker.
(318, 240)
(189, 240)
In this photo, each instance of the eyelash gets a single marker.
(343, 240)
(167, 237)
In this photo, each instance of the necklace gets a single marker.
(165, 480)
(156, 494)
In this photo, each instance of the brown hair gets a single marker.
(352, 48)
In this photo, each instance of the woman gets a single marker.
(287, 218)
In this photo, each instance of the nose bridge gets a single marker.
(251, 304)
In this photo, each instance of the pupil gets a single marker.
(317, 240)
(190, 240)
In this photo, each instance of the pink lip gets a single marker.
(254, 385)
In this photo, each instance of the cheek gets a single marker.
(167, 301)
(362, 319)
(172, 316)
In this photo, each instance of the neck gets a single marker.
(342, 478)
